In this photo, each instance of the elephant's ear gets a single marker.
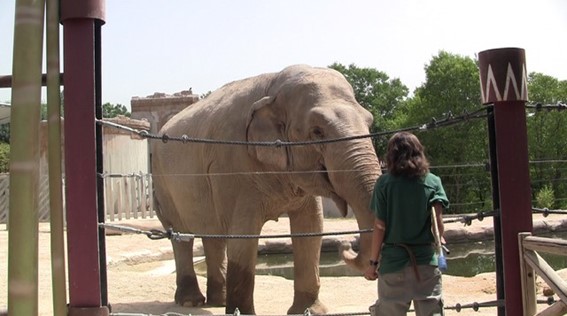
(264, 124)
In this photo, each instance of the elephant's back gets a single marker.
(223, 112)
(222, 115)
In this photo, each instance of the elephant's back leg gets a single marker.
(188, 292)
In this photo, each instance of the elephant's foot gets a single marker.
(242, 310)
(300, 305)
(189, 297)
(216, 293)
(216, 299)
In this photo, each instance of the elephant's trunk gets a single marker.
(356, 188)
(361, 259)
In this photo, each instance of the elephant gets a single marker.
(204, 188)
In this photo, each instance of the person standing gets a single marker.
(403, 257)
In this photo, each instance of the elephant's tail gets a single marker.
(159, 213)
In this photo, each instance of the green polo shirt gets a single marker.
(404, 204)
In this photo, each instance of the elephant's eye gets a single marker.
(317, 132)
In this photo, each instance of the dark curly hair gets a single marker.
(406, 157)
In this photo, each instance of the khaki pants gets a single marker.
(397, 290)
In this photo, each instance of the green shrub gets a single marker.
(545, 198)
(4, 157)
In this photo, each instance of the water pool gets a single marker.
(464, 260)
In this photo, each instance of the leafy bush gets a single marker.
(4, 157)
(545, 198)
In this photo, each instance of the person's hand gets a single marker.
(370, 274)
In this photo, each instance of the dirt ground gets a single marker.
(141, 278)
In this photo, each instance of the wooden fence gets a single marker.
(43, 202)
(532, 263)
(126, 196)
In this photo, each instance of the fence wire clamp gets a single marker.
(483, 214)
(155, 234)
(432, 124)
(164, 138)
(184, 139)
(458, 307)
(179, 237)
(307, 312)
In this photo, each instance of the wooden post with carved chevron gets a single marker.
(503, 83)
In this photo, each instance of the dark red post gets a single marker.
(80, 19)
(503, 80)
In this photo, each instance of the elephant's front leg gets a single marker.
(215, 256)
(242, 255)
(306, 254)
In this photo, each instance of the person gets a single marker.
(403, 257)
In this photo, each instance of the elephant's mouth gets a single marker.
(341, 203)
(319, 183)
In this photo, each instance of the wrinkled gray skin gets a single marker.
(221, 189)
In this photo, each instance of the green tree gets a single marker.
(452, 87)
(378, 93)
(110, 110)
(547, 135)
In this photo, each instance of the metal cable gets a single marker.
(538, 106)
(448, 120)
(170, 234)
(475, 305)
(467, 219)
(156, 234)
(496, 303)
(545, 211)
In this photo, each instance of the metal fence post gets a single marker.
(503, 81)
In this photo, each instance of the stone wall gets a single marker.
(159, 107)
(125, 152)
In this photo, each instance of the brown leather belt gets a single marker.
(412, 259)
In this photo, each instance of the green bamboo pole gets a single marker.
(54, 161)
(24, 162)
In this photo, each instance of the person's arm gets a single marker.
(439, 215)
(377, 240)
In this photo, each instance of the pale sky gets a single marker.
(171, 45)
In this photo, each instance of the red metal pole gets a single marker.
(504, 83)
(79, 19)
